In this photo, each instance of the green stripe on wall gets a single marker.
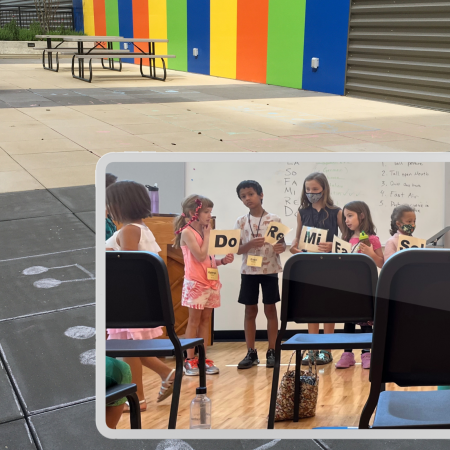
(285, 42)
(112, 20)
(177, 34)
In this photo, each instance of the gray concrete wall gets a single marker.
(21, 47)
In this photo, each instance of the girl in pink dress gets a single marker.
(128, 202)
(201, 288)
(357, 219)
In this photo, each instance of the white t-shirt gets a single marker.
(271, 262)
(147, 243)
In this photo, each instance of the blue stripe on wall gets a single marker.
(78, 19)
(198, 35)
(126, 24)
(326, 34)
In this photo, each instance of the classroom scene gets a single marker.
(224, 281)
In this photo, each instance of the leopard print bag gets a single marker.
(309, 390)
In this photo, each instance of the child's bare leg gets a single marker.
(272, 324)
(192, 327)
(157, 366)
(204, 329)
(113, 414)
(313, 328)
(251, 311)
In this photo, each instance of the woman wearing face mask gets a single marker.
(403, 222)
(318, 210)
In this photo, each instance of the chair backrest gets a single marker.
(412, 320)
(137, 291)
(328, 287)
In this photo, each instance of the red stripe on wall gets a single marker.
(99, 17)
(252, 30)
(140, 26)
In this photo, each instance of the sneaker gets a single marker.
(324, 357)
(347, 360)
(270, 358)
(211, 369)
(251, 359)
(313, 355)
(365, 360)
(191, 367)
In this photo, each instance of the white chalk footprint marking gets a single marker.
(35, 270)
(88, 358)
(47, 283)
(173, 444)
(269, 444)
(80, 332)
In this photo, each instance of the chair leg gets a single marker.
(176, 393)
(273, 394)
(135, 411)
(298, 359)
(369, 408)
(202, 365)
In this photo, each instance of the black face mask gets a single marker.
(408, 229)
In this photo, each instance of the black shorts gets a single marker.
(249, 292)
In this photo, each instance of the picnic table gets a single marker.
(108, 53)
(98, 46)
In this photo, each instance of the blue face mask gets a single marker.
(314, 198)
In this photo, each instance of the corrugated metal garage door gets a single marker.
(399, 51)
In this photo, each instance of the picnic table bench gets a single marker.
(75, 50)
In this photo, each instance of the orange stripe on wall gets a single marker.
(252, 31)
(99, 17)
(140, 26)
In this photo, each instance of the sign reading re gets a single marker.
(275, 232)
(222, 242)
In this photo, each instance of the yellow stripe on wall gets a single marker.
(157, 19)
(223, 38)
(88, 16)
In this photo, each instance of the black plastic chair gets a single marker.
(138, 296)
(323, 288)
(410, 341)
(119, 391)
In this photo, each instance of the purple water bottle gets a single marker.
(153, 192)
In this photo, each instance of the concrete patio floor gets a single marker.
(53, 128)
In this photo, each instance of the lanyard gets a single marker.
(210, 259)
(250, 224)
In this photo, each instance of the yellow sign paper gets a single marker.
(341, 246)
(310, 238)
(275, 232)
(410, 242)
(224, 242)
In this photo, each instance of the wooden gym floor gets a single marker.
(240, 398)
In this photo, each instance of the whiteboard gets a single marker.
(381, 185)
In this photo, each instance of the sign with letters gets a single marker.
(341, 246)
(410, 242)
(222, 242)
(310, 239)
(275, 232)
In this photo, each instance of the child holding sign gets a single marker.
(318, 210)
(359, 227)
(201, 287)
(403, 222)
(260, 266)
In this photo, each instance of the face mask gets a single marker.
(314, 198)
(408, 229)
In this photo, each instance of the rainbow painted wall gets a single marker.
(264, 41)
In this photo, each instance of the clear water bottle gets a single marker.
(201, 410)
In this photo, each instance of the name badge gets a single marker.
(254, 261)
(212, 274)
